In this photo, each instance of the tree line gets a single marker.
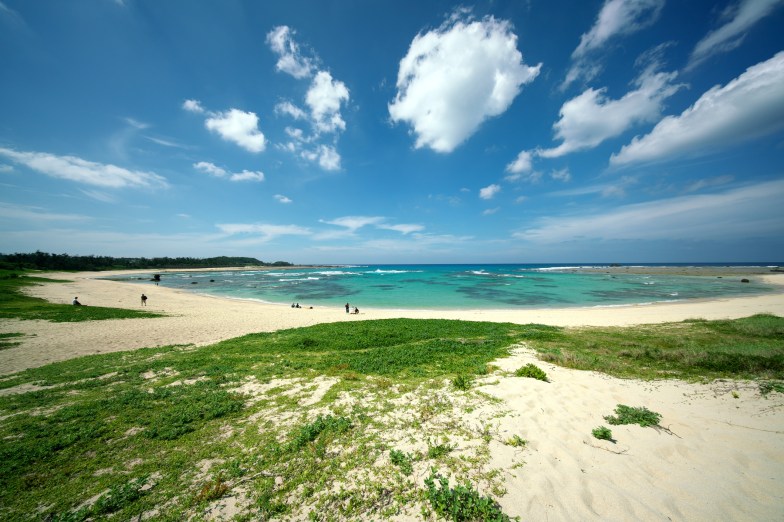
(45, 261)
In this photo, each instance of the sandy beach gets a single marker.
(199, 319)
(722, 458)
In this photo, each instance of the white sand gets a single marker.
(723, 460)
(199, 319)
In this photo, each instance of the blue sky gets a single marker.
(394, 131)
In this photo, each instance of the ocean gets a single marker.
(454, 286)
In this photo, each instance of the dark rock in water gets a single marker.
(744, 280)
(194, 282)
(212, 280)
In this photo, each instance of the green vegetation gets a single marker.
(749, 348)
(303, 423)
(462, 382)
(290, 423)
(15, 304)
(516, 441)
(629, 415)
(532, 371)
(603, 433)
(404, 461)
(44, 261)
(7, 340)
(461, 503)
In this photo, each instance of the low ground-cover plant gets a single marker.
(631, 415)
(532, 371)
(748, 348)
(404, 461)
(461, 503)
(16, 305)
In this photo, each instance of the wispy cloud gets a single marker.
(282, 199)
(32, 214)
(750, 106)
(218, 172)
(457, 76)
(82, 171)
(263, 231)
(748, 211)
(616, 18)
(740, 17)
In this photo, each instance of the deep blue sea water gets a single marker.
(455, 286)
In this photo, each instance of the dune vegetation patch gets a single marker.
(359, 420)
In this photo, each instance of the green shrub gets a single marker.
(603, 433)
(462, 382)
(532, 371)
(629, 415)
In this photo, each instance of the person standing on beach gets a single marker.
(347, 307)
(144, 300)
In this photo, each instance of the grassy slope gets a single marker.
(14, 304)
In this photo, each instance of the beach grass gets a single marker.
(357, 420)
(694, 350)
(14, 304)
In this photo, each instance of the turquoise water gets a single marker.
(453, 286)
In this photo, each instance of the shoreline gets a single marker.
(198, 319)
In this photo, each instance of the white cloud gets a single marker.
(740, 213)
(266, 231)
(218, 172)
(239, 127)
(99, 196)
(282, 199)
(326, 156)
(561, 175)
(247, 175)
(404, 229)
(700, 184)
(291, 60)
(6, 168)
(490, 211)
(742, 16)
(290, 109)
(750, 106)
(590, 118)
(616, 18)
(521, 164)
(210, 168)
(490, 191)
(354, 223)
(83, 171)
(324, 99)
(193, 106)
(455, 77)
